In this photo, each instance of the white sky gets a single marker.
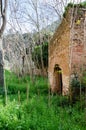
(21, 8)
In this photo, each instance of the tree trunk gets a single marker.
(1, 65)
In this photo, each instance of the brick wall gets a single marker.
(67, 48)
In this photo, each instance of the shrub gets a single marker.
(40, 112)
(36, 55)
(71, 5)
(78, 87)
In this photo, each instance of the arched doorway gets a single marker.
(57, 79)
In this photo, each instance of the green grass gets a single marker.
(41, 111)
(15, 84)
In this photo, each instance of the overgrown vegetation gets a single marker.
(41, 111)
(72, 5)
(40, 53)
(15, 84)
(78, 86)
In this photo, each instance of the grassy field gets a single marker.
(31, 107)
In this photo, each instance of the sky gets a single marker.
(22, 16)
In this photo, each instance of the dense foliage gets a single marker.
(40, 54)
(38, 115)
(70, 5)
(41, 111)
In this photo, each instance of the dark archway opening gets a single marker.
(58, 79)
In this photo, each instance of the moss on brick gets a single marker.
(71, 5)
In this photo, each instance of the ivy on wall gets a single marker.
(70, 5)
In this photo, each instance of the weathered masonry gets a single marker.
(67, 50)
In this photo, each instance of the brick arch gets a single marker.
(57, 79)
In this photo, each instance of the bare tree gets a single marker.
(34, 19)
(3, 11)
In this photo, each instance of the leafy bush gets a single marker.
(75, 83)
(78, 87)
(41, 111)
(83, 4)
(36, 55)
(83, 80)
(37, 115)
(70, 5)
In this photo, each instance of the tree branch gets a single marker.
(3, 14)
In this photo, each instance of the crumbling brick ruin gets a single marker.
(67, 50)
